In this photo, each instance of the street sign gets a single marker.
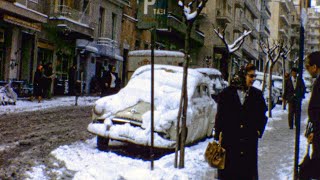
(152, 13)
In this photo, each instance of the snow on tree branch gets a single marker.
(236, 44)
(187, 9)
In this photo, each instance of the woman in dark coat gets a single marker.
(241, 120)
(38, 83)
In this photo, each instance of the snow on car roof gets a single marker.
(167, 93)
(156, 53)
(209, 71)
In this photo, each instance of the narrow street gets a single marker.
(276, 148)
(28, 138)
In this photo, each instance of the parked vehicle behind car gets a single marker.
(217, 84)
(276, 94)
(126, 116)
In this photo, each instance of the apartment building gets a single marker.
(283, 27)
(19, 28)
(62, 32)
(312, 31)
(234, 17)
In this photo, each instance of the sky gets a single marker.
(88, 163)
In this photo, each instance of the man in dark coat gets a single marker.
(289, 95)
(313, 66)
(241, 120)
(72, 75)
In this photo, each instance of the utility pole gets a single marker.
(303, 21)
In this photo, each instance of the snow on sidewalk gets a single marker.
(25, 105)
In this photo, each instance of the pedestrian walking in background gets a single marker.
(72, 77)
(38, 84)
(48, 77)
(286, 77)
(290, 95)
(108, 82)
(242, 127)
(313, 67)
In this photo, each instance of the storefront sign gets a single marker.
(22, 23)
(152, 13)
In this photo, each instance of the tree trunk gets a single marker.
(283, 83)
(270, 90)
(185, 98)
(264, 75)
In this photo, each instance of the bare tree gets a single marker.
(286, 51)
(273, 53)
(231, 48)
(191, 11)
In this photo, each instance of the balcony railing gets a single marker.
(247, 48)
(108, 47)
(72, 14)
(285, 19)
(237, 25)
(314, 42)
(239, 3)
(265, 12)
(253, 8)
(224, 15)
(247, 24)
(264, 31)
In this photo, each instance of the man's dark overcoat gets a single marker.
(241, 126)
(314, 117)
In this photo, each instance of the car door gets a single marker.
(201, 106)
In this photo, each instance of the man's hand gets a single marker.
(310, 138)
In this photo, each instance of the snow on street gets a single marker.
(82, 160)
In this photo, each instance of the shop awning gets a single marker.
(22, 11)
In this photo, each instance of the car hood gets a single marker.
(134, 112)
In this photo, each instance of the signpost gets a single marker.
(303, 21)
(152, 14)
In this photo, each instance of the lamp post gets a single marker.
(303, 20)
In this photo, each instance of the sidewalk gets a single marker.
(56, 101)
(276, 148)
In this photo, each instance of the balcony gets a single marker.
(285, 5)
(284, 32)
(265, 12)
(264, 31)
(237, 26)
(314, 34)
(249, 51)
(285, 19)
(247, 24)
(78, 23)
(239, 4)
(223, 16)
(253, 8)
(108, 47)
(255, 34)
(313, 42)
(175, 24)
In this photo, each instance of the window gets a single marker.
(114, 26)
(137, 45)
(101, 21)
(85, 7)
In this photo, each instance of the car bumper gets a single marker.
(128, 133)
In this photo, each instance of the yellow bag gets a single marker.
(215, 155)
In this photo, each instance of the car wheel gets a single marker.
(102, 143)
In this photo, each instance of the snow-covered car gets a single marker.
(308, 80)
(277, 84)
(217, 84)
(126, 116)
(275, 91)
